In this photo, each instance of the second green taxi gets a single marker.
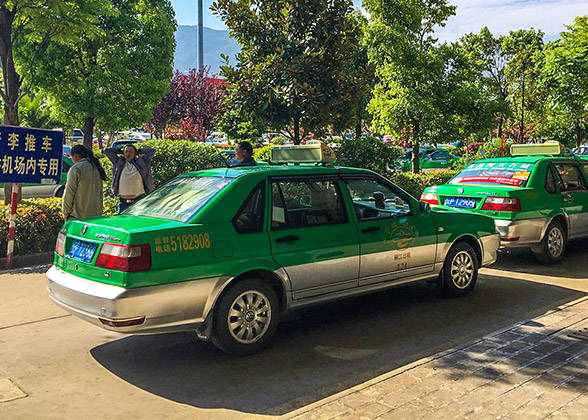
(538, 197)
(224, 252)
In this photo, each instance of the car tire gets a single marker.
(245, 318)
(59, 192)
(553, 244)
(460, 270)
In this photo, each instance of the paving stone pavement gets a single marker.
(532, 370)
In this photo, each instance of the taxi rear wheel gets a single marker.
(245, 318)
(460, 270)
(553, 245)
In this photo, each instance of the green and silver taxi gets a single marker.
(224, 252)
(538, 197)
(430, 159)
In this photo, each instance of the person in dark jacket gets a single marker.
(244, 154)
(131, 178)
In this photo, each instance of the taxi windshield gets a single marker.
(504, 173)
(179, 199)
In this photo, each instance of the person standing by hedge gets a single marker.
(83, 190)
(132, 176)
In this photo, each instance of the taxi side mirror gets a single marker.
(424, 207)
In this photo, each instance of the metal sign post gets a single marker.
(27, 155)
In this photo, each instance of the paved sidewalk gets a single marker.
(533, 370)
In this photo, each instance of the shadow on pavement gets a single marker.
(326, 349)
(522, 260)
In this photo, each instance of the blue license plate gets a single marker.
(468, 203)
(82, 250)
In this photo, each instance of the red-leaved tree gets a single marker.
(190, 109)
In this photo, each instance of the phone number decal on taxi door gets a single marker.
(182, 242)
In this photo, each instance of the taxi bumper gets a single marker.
(521, 233)
(179, 306)
(490, 244)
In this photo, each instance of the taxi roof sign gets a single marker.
(551, 147)
(312, 152)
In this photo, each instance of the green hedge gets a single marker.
(38, 221)
(172, 158)
(416, 183)
(369, 153)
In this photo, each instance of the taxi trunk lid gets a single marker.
(474, 197)
(85, 239)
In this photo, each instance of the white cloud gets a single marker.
(502, 16)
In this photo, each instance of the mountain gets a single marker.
(215, 43)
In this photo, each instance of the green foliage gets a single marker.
(263, 153)
(565, 76)
(289, 72)
(38, 221)
(116, 77)
(367, 152)
(414, 184)
(33, 111)
(238, 128)
(172, 158)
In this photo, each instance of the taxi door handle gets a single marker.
(289, 238)
(371, 229)
(569, 198)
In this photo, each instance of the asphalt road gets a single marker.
(72, 370)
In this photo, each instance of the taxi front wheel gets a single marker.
(553, 245)
(460, 270)
(245, 318)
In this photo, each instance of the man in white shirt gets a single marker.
(132, 176)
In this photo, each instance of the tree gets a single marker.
(293, 52)
(409, 67)
(565, 76)
(114, 79)
(523, 48)
(487, 54)
(22, 21)
(191, 107)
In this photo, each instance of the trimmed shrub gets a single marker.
(38, 221)
(416, 183)
(368, 153)
(264, 153)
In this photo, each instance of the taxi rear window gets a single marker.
(179, 199)
(503, 173)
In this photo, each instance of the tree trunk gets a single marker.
(11, 79)
(578, 133)
(358, 125)
(88, 132)
(415, 149)
(522, 126)
(296, 129)
(500, 122)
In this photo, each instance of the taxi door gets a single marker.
(311, 235)
(396, 242)
(574, 195)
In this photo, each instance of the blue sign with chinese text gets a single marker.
(30, 155)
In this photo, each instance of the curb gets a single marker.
(21, 261)
(410, 366)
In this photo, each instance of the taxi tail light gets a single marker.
(124, 257)
(502, 204)
(60, 244)
(430, 198)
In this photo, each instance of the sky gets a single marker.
(501, 16)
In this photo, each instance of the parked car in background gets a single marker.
(581, 151)
(430, 159)
(538, 198)
(75, 136)
(45, 190)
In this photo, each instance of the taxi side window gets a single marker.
(439, 156)
(375, 200)
(306, 203)
(569, 177)
(249, 218)
(550, 182)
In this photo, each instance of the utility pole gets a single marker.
(200, 34)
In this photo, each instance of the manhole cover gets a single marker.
(10, 391)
